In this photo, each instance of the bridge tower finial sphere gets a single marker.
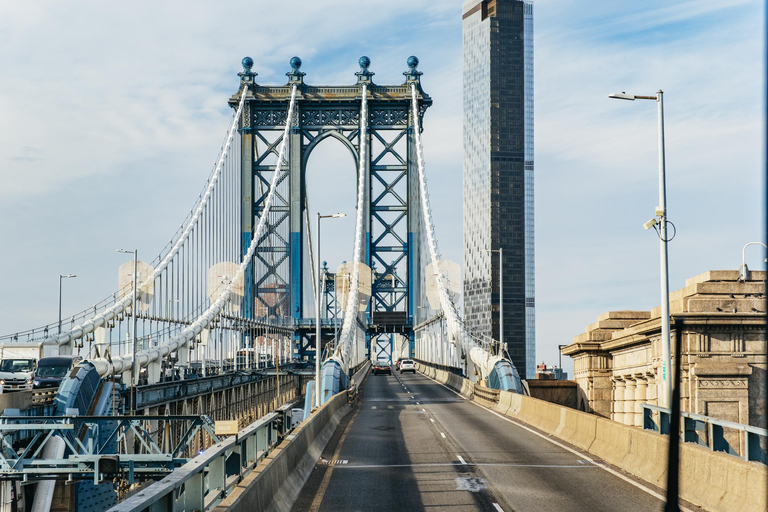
(412, 75)
(247, 64)
(294, 75)
(364, 76)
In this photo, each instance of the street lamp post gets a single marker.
(60, 279)
(135, 253)
(661, 212)
(501, 295)
(317, 306)
(743, 269)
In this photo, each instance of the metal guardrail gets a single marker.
(168, 391)
(487, 394)
(203, 482)
(44, 396)
(450, 369)
(711, 433)
(93, 444)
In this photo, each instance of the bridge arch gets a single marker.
(336, 134)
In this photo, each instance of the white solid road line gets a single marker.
(497, 507)
(580, 454)
(461, 460)
(476, 464)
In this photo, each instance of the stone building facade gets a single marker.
(617, 360)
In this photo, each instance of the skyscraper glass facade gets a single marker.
(498, 173)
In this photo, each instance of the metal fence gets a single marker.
(743, 441)
(204, 482)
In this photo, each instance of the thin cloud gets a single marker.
(128, 101)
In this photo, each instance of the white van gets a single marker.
(17, 374)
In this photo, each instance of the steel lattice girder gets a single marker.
(85, 456)
(331, 111)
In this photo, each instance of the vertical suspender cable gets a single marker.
(203, 320)
(351, 311)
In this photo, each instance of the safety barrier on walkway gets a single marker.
(276, 483)
(206, 480)
(708, 479)
(717, 435)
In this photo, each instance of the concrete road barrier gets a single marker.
(579, 430)
(275, 484)
(20, 400)
(711, 480)
(505, 403)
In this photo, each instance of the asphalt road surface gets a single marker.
(411, 444)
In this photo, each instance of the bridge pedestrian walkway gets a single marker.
(413, 444)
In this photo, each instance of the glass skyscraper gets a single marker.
(498, 173)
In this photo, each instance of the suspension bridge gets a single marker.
(238, 286)
(203, 361)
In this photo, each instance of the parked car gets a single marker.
(382, 367)
(52, 370)
(407, 365)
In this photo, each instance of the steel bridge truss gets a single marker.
(93, 444)
(274, 279)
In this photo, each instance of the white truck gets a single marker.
(17, 365)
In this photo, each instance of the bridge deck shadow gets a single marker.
(389, 454)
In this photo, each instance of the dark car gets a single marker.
(52, 370)
(382, 367)
(397, 363)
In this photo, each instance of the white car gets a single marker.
(407, 365)
(17, 374)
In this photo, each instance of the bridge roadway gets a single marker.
(412, 444)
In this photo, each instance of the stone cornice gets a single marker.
(581, 347)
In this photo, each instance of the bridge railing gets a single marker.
(206, 480)
(715, 434)
(450, 369)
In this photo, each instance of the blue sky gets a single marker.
(106, 107)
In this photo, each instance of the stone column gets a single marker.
(640, 398)
(618, 400)
(629, 401)
(650, 393)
